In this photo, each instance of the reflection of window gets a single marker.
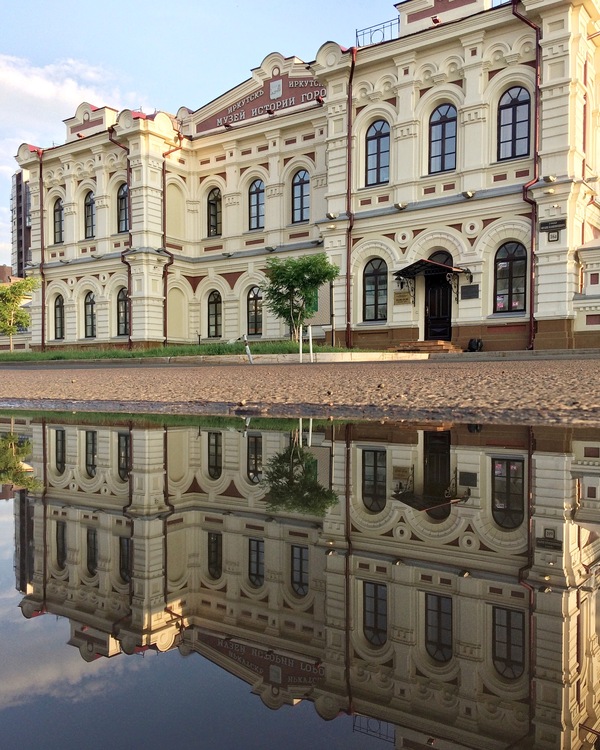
(125, 547)
(123, 208)
(215, 454)
(214, 315)
(442, 139)
(508, 649)
(215, 555)
(122, 312)
(59, 221)
(375, 612)
(89, 308)
(301, 197)
(214, 210)
(60, 450)
(256, 562)
(375, 290)
(61, 544)
(378, 153)
(300, 570)
(92, 551)
(91, 444)
(123, 451)
(256, 205)
(508, 492)
(438, 627)
(89, 212)
(255, 458)
(374, 480)
(254, 311)
(513, 123)
(510, 266)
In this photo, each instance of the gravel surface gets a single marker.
(532, 391)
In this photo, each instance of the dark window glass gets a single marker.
(299, 570)
(510, 280)
(301, 197)
(513, 123)
(255, 458)
(124, 462)
(375, 613)
(122, 312)
(255, 312)
(256, 562)
(256, 204)
(123, 208)
(90, 315)
(508, 642)
(508, 492)
(375, 281)
(125, 549)
(214, 208)
(60, 450)
(215, 454)
(215, 311)
(92, 552)
(442, 139)
(215, 555)
(438, 627)
(374, 480)
(61, 544)
(91, 449)
(59, 317)
(378, 153)
(59, 221)
(90, 216)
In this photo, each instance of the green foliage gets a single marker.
(291, 292)
(293, 486)
(12, 470)
(13, 317)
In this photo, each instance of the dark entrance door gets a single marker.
(438, 307)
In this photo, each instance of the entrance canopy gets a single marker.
(427, 268)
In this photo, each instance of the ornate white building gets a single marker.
(450, 171)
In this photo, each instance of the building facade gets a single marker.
(449, 171)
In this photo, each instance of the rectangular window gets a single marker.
(256, 562)
(215, 555)
(300, 570)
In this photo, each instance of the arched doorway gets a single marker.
(438, 299)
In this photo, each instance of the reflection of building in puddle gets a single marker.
(451, 592)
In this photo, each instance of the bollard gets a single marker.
(247, 347)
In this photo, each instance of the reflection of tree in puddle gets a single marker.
(292, 480)
(13, 470)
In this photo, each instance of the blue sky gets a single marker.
(142, 53)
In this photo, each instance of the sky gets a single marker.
(145, 54)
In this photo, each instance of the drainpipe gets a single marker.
(536, 170)
(40, 153)
(111, 132)
(347, 568)
(349, 213)
(164, 233)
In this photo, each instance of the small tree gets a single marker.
(12, 469)
(13, 317)
(293, 286)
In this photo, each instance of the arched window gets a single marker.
(254, 311)
(89, 214)
(124, 463)
(254, 458)
(375, 281)
(301, 197)
(123, 208)
(299, 577)
(125, 548)
(215, 454)
(60, 450)
(59, 317)
(92, 551)
(215, 555)
(377, 169)
(510, 269)
(59, 221)
(374, 480)
(214, 213)
(91, 449)
(256, 205)
(375, 612)
(438, 627)
(508, 492)
(214, 315)
(514, 123)
(256, 562)
(508, 642)
(90, 315)
(122, 312)
(442, 139)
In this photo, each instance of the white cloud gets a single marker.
(34, 101)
